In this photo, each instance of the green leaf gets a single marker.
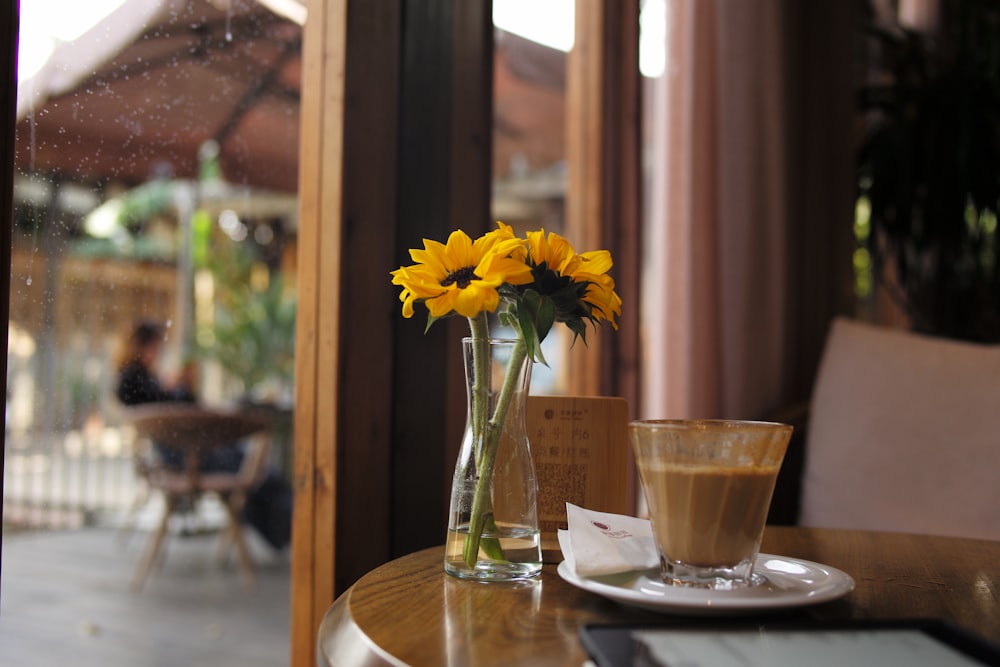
(579, 329)
(535, 315)
(431, 320)
(532, 344)
(544, 318)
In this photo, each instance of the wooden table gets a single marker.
(410, 612)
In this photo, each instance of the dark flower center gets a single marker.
(462, 277)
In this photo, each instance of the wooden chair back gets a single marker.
(903, 434)
(195, 430)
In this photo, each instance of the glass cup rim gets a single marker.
(708, 424)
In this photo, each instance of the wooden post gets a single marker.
(318, 322)
(395, 147)
(602, 198)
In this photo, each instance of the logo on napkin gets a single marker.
(614, 534)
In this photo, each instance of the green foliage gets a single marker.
(929, 170)
(534, 308)
(253, 333)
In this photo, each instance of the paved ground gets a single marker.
(65, 600)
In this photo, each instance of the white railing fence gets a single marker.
(80, 477)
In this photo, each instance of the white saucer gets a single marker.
(788, 582)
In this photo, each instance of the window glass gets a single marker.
(529, 136)
(156, 156)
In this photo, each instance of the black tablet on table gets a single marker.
(909, 643)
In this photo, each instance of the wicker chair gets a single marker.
(197, 430)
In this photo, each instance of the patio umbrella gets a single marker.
(168, 80)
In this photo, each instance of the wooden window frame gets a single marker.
(8, 114)
(395, 145)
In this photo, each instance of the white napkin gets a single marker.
(599, 543)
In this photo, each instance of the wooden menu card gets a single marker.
(582, 455)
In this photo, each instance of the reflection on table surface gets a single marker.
(409, 612)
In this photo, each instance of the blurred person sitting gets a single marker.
(268, 507)
(138, 383)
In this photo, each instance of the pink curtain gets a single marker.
(725, 230)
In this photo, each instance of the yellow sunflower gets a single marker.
(552, 250)
(579, 284)
(462, 276)
(593, 267)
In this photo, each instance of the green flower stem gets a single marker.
(482, 502)
(480, 329)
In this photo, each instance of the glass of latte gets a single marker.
(708, 486)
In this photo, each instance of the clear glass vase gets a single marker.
(493, 522)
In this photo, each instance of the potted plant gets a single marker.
(929, 169)
(252, 332)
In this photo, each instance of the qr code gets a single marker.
(559, 483)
